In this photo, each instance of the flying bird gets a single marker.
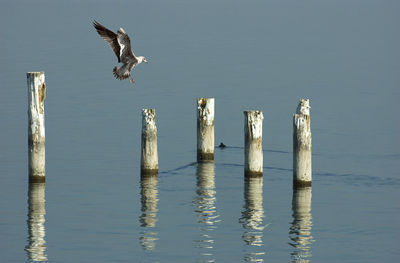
(120, 43)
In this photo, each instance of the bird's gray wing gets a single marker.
(126, 54)
(110, 37)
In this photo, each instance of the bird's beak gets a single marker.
(146, 62)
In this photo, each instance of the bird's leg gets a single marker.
(131, 80)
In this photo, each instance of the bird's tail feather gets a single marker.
(120, 73)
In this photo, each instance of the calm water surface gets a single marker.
(342, 55)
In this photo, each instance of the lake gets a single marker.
(249, 55)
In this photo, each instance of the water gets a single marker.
(342, 55)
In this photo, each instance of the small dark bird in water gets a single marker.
(120, 43)
(222, 145)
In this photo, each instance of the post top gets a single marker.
(303, 107)
(199, 99)
(253, 111)
(254, 115)
(35, 72)
(152, 111)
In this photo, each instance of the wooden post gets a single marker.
(302, 145)
(36, 246)
(36, 129)
(205, 129)
(253, 154)
(149, 159)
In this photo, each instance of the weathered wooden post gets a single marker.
(205, 129)
(36, 129)
(149, 159)
(253, 154)
(302, 145)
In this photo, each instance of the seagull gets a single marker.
(120, 43)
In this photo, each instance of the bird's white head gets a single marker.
(142, 59)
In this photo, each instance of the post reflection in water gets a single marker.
(252, 219)
(148, 218)
(36, 248)
(300, 230)
(205, 209)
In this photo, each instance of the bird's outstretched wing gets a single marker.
(110, 37)
(126, 54)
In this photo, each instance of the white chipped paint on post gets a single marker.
(253, 154)
(302, 169)
(36, 128)
(205, 129)
(149, 157)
